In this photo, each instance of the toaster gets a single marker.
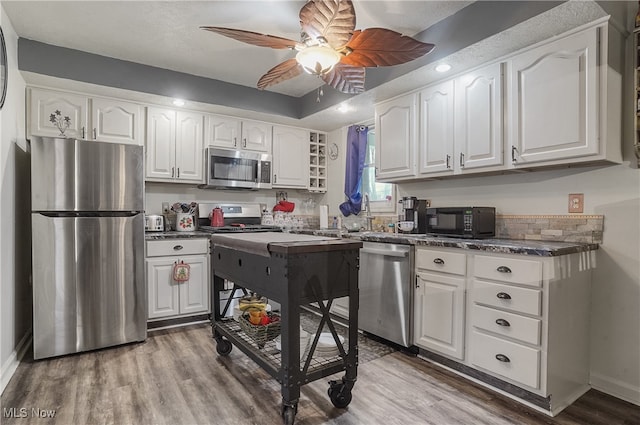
(153, 223)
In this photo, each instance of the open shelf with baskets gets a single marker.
(317, 162)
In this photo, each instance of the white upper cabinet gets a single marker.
(117, 121)
(233, 133)
(46, 104)
(223, 132)
(101, 119)
(435, 141)
(174, 150)
(479, 118)
(396, 130)
(554, 100)
(189, 146)
(290, 157)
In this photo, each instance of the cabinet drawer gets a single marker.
(508, 359)
(177, 247)
(441, 261)
(520, 300)
(512, 270)
(511, 325)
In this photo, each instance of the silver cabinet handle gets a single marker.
(235, 141)
(177, 247)
(173, 171)
(448, 158)
(244, 143)
(461, 159)
(504, 269)
(438, 261)
(503, 296)
(514, 151)
(502, 358)
(83, 132)
(275, 178)
(178, 172)
(94, 134)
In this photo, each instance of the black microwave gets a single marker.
(462, 222)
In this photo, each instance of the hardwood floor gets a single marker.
(176, 377)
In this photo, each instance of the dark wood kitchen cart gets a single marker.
(293, 270)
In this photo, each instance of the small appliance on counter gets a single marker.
(462, 222)
(414, 210)
(153, 223)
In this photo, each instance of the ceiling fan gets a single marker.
(331, 48)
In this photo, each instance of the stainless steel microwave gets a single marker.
(234, 169)
(462, 222)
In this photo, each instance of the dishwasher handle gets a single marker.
(385, 252)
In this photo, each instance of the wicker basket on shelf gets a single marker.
(260, 333)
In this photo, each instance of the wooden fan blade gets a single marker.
(345, 78)
(383, 47)
(281, 72)
(334, 20)
(254, 38)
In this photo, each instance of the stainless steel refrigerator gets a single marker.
(88, 245)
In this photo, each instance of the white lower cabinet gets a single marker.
(518, 318)
(168, 297)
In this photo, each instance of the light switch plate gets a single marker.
(576, 202)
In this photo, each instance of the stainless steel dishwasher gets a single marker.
(386, 291)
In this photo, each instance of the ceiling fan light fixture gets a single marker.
(318, 60)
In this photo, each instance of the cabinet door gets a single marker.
(396, 138)
(189, 147)
(116, 121)
(554, 90)
(479, 116)
(439, 314)
(161, 143)
(290, 157)
(162, 290)
(256, 136)
(435, 141)
(223, 132)
(45, 103)
(194, 293)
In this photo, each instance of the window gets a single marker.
(382, 196)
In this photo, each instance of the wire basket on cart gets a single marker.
(260, 333)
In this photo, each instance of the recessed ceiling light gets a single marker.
(443, 67)
(343, 108)
(178, 102)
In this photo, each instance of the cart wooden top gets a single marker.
(266, 243)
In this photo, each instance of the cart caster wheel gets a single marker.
(223, 347)
(340, 396)
(288, 414)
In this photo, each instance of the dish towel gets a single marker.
(356, 151)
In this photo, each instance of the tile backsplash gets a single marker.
(560, 228)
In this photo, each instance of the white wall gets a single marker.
(15, 246)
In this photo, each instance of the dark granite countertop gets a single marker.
(153, 236)
(503, 246)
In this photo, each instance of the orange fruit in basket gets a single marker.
(255, 316)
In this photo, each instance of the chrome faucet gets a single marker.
(367, 210)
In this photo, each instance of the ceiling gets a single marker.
(166, 34)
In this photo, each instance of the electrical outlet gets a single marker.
(576, 202)
(165, 208)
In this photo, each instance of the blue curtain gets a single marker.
(356, 151)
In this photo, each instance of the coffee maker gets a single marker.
(414, 209)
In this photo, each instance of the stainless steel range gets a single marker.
(238, 217)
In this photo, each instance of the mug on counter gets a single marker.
(185, 222)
